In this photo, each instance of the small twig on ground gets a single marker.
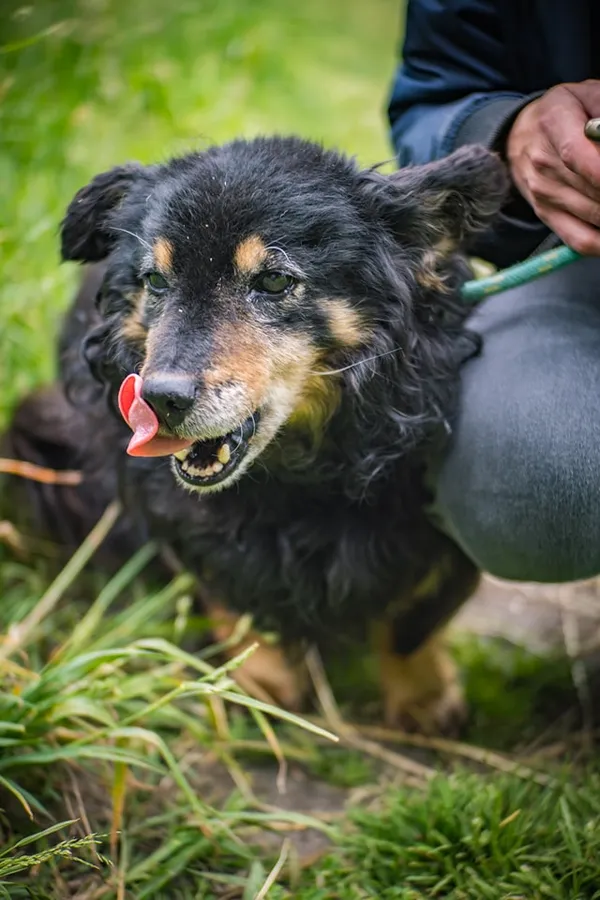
(563, 725)
(364, 737)
(33, 472)
(489, 758)
(348, 733)
(558, 749)
(25, 546)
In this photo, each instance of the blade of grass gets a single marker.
(274, 816)
(33, 838)
(150, 737)
(12, 788)
(273, 742)
(32, 802)
(278, 713)
(118, 792)
(20, 634)
(78, 750)
(91, 621)
(129, 624)
(349, 735)
(275, 871)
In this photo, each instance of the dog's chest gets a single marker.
(296, 559)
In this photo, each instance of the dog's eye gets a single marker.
(156, 282)
(273, 283)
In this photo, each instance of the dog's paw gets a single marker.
(422, 692)
(268, 674)
(443, 713)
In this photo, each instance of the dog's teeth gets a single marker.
(224, 455)
(205, 472)
(197, 472)
(181, 455)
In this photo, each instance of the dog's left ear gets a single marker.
(447, 201)
(85, 231)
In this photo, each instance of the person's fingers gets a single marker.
(578, 235)
(588, 94)
(562, 123)
(556, 167)
(547, 174)
(546, 192)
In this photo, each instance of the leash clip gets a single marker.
(592, 130)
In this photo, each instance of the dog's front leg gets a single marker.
(421, 692)
(270, 673)
(419, 679)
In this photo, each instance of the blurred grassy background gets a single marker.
(86, 84)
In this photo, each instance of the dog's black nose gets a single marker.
(170, 395)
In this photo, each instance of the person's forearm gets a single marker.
(425, 132)
(457, 84)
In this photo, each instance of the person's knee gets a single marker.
(514, 541)
(520, 489)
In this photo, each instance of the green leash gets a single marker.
(522, 273)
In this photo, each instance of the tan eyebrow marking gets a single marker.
(250, 254)
(163, 254)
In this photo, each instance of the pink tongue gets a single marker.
(142, 420)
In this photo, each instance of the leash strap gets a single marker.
(522, 273)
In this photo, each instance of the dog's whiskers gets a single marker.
(358, 363)
(238, 445)
(136, 236)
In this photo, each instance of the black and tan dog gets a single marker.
(296, 327)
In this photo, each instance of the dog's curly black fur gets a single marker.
(328, 525)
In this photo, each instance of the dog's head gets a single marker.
(237, 276)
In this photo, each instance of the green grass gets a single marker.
(470, 838)
(115, 718)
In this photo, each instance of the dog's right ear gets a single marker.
(447, 201)
(85, 231)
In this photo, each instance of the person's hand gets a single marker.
(555, 167)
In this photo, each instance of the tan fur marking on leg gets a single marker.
(250, 254)
(267, 674)
(421, 690)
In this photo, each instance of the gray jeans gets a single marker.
(519, 489)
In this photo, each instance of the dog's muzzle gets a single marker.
(200, 463)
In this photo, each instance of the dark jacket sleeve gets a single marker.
(454, 87)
